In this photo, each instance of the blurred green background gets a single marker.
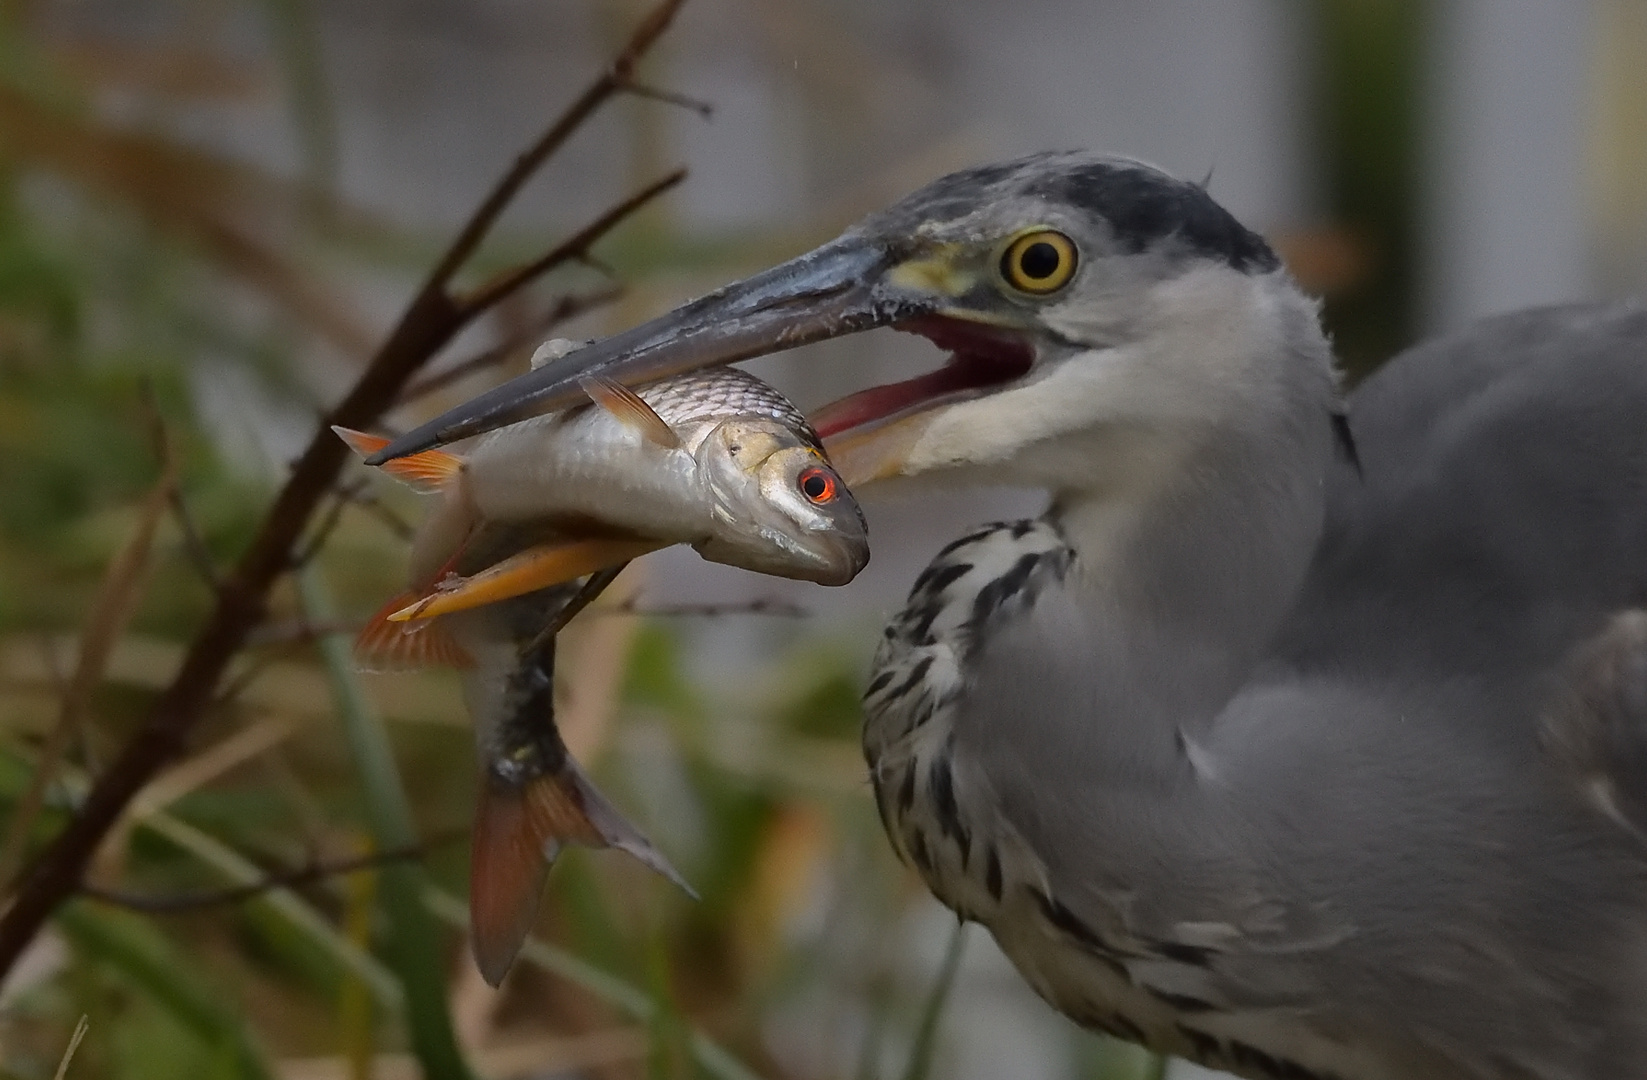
(210, 210)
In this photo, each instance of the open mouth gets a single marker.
(981, 359)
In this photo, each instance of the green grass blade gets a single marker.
(284, 902)
(236, 869)
(926, 1033)
(74, 1044)
(1101, 1057)
(714, 1058)
(414, 942)
(297, 41)
(145, 956)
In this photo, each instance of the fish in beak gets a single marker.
(837, 289)
(716, 459)
(942, 290)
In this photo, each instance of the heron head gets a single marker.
(1078, 296)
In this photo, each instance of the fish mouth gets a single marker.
(838, 561)
(982, 360)
(823, 560)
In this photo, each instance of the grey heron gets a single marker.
(1301, 737)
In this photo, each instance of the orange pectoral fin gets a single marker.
(428, 471)
(393, 646)
(530, 570)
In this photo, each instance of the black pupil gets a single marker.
(814, 485)
(1039, 261)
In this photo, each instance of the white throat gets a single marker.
(1195, 502)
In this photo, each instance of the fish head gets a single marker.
(779, 507)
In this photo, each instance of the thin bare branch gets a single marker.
(779, 609)
(200, 769)
(342, 496)
(603, 88)
(403, 529)
(194, 545)
(318, 870)
(115, 603)
(200, 557)
(567, 307)
(431, 320)
(238, 685)
(597, 584)
(219, 205)
(670, 97)
(599, 265)
(569, 250)
(297, 632)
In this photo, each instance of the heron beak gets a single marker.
(841, 288)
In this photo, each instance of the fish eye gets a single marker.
(818, 485)
(1039, 262)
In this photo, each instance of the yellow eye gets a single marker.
(1039, 262)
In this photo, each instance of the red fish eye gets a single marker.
(818, 485)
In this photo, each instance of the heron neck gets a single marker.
(1188, 566)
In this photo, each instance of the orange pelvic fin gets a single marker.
(429, 471)
(518, 833)
(535, 568)
(396, 646)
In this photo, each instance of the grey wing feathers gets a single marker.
(1596, 728)
(1502, 516)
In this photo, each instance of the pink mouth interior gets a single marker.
(980, 357)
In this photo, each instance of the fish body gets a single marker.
(533, 797)
(594, 462)
(715, 459)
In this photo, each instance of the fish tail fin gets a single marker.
(429, 471)
(508, 865)
(383, 645)
(518, 833)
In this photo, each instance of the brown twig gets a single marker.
(116, 601)
(230, 694)
(342, 496)
(299, 632)
(567, 307)
(597, 584)
(781, 609)
(318, 870)
(194, 545)
(670, 97)
(490, 292)
(403, 529)
(613, 81)
(433, 317)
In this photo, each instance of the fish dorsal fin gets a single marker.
(429, 471)
(627, 406)
(554, 349)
